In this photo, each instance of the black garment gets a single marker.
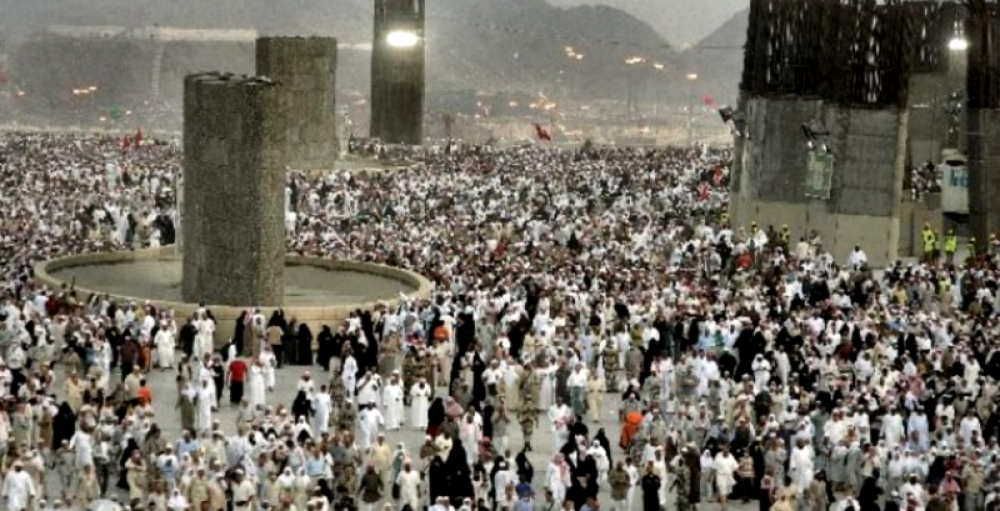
(186, 337)
(325, 347)
(437, 479)
(63, 425)
(236, 392)
(304, 351)
(602, 439)
(435, 414)
(525, 470)
(650, 485)
(290, 345)
(869, 495)
(302, 407)
(238, 332)
(126, 455)
(459, 474)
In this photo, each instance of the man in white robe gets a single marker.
(322, 405)
(165, 345)
(409, 486)
(892, 429)
(420, 395)
(392, 401)
(559, 416)
(725, 475)
(370, 420)
(205, 402)
(349, 376)
(18, 489)
(800, 466)
(368, 389)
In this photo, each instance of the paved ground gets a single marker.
(304, 285)
(168, 418)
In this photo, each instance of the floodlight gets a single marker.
(402, 39)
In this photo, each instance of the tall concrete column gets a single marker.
(397, 79)
(984, 174)
(305, 69)
(234, 192)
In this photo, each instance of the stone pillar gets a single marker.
(234, 192)
(984, 174)
(305, 69)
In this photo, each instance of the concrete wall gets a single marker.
(863, 208)
(234, 192)
(226, 316)
(305, 69)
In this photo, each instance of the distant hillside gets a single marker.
(483, 45)
(719, 58)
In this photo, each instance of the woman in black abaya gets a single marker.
(459, 474)
(63, 425)
(324, 347)
(290, 343)
(302, 406)
(435, 417)
(305, 340)
(130, 447)
(437, 479)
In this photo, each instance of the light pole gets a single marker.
(631, 61)
(656, 101)
(692, 78)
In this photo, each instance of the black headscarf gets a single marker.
(602, 439)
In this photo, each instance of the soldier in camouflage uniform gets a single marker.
(682, 484)
(529, 387)
(610, 360)
(348, 417)
(410, 375)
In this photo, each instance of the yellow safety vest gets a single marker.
(928, 241)
(951, 244)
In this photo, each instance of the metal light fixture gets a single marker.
(816, 134)
(958, 41)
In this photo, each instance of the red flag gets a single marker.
(126, 142)
(542, 134)
(138, 137)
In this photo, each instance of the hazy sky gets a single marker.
(681, 22)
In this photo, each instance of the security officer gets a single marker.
(786, 238)
(950, 246)
(930, 242)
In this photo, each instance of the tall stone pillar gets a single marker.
(234, 192)
(305, 69)
(984, 174)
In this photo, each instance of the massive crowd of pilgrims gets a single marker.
(594, 313)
